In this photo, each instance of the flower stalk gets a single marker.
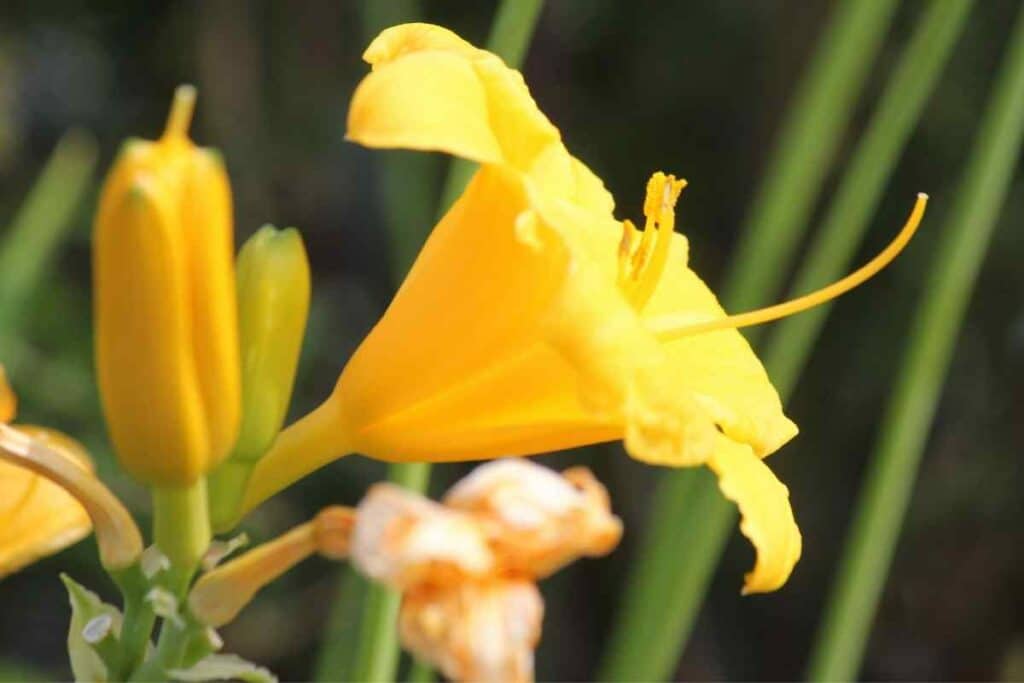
(181, 530)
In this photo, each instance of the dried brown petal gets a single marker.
(403, 539)
(537, 520)
(475, 630)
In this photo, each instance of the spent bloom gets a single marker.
(468, 567)
(533, 320)
(37, 517)
(50, 497)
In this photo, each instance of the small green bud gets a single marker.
(273, 305)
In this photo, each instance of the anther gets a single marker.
(651, 256)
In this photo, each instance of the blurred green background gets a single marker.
(694, 88)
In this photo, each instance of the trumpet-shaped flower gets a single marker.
(167, 353)
(37, 517)
(534, 320)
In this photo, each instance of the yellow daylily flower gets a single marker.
(37, 517)
(167, 353)
(533, 320)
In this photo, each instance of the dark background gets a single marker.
(695, 88)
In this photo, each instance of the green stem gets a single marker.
(377, 658)
(139, 618)
(337, 655)
(893, 469)
(181, 529)
(171, 647)
(664, 589)
(378, 653)
(421, 672)
(226, 492)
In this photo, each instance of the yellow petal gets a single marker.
(165, 306)
(557, 173)
(459, 367)
(146, 371)
(8, 401)
(767, 516)
(207, 223)
(623, 370)
(430, 90)
(413, 37)
(719, 367)
(38, 517)
(430, 101)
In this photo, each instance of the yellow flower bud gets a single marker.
(165, 306)
(273, 304)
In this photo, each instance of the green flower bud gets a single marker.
(273, 304)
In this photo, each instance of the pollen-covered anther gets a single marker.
(641, 268)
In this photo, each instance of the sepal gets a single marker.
(95, 626)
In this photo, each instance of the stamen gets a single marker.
(677, 325)
(627, 246)
(182, 107)
(639, 276)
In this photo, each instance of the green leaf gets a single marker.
(87, 610)
(223, 668)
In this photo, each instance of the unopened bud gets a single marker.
(165, 307)
(273, 304)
